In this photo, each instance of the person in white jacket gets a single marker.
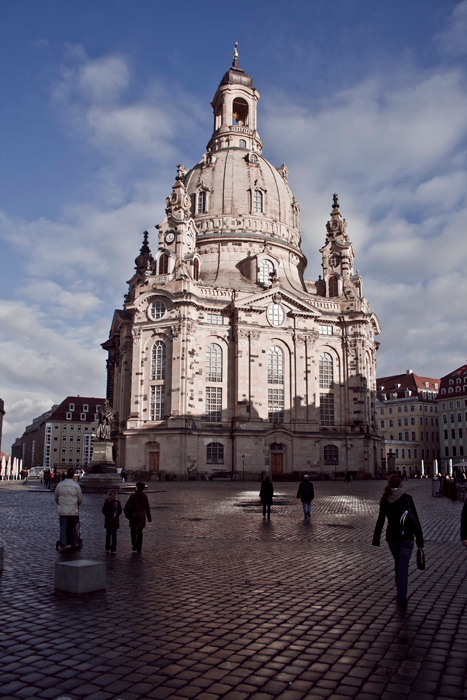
(68, 497)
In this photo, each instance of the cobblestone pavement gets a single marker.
(224, 604)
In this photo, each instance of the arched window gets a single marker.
(242, 143)
(333, 286)
(214, 363)
(214, 453)
(257, 201)
(265, 271)
(240, 111)
(163, 264)
(326, 377)
(275, 365)
(202, 202)
(276, 404)
(196, 269)
(159, 359)
(331, 454)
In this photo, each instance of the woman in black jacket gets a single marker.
(403, 525)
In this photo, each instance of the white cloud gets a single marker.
(42, 361)
(452, 38)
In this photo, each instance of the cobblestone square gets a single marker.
(225, 604)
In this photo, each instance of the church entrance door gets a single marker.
(277, 463)
(154, 461)
(277, 458)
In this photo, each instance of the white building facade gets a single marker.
(224, 358)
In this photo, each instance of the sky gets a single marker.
(101, 99)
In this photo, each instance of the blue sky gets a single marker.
(101, 99)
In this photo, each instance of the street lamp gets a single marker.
(243, 465)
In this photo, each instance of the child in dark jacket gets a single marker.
(112, 510)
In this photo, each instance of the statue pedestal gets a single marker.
(101, 475)
(102, 457)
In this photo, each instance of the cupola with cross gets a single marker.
(235, 109)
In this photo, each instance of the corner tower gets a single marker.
(224, 358)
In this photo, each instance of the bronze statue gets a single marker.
(105, 421)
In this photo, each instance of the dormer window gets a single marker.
(257, 202)
(253, 158)
(202, 202)
(265, 272)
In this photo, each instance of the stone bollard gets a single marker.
(80, 576)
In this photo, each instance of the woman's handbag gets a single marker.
(420, 559)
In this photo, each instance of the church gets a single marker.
(225, 359)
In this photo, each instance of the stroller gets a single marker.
(68, 548)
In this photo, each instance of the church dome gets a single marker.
(237, 184)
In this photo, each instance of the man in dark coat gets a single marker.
(266, 493)
(306, 494)
(137, 510)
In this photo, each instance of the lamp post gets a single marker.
(243, 467)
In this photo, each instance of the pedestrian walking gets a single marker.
(68, 497)
(306, 494)
(266, 493)
(137, 510)
(47, 478)
(123, 475)
(112, 509)
(464, 525)
(403, 525)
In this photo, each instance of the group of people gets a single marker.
(69, 496)
(305, 493)
(396, 506)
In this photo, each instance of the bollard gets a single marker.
(80, 576)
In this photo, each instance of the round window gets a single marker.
(157, 310)
(276, 314)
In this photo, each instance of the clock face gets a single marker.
(169, 237)
(189, 239)
(334, 260)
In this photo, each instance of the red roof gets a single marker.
(78, 404)
(400, 383)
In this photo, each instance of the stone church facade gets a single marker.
(224, 357)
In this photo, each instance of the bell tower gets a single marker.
(338, 258)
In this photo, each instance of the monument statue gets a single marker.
(105, 421)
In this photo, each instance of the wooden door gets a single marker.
(154, 461)
(277, 463)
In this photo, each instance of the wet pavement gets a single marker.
(224, 604)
